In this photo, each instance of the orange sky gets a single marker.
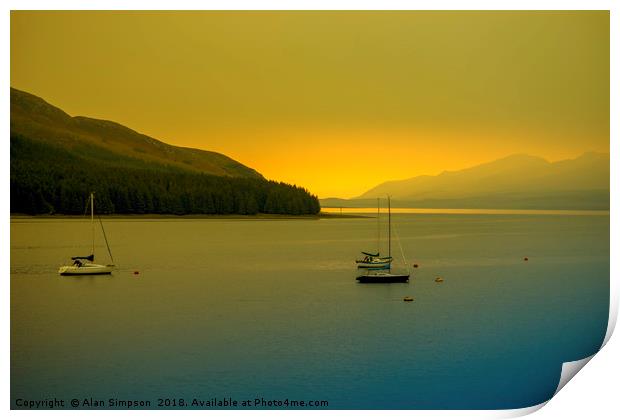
(334, 101)
(345, 162)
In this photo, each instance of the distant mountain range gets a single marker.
(57, 160)
(101, 140)
(516, 181)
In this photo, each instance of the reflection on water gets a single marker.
(270, 308)
(356, 210)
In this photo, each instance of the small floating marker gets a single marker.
(408, 298)
(526, 259)
(136, 272)
(438, 279)
(415, 266)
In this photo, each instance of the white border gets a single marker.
(593, 394)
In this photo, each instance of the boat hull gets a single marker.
(376, 266)
(374, 259)
(383, 278)
(84, 270)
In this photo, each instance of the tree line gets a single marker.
(46, 179)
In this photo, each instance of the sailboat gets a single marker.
(385, 276)
(374, 260)
(86, 265)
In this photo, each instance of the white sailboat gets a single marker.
(386, 276)
(86, 265)
(374, 260)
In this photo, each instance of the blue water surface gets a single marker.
(247, 309)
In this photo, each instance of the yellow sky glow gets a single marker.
(334, 101)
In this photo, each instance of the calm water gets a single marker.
(260, 308)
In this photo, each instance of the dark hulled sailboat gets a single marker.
(385, 276)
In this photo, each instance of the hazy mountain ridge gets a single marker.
(512, 174)
(567, 200)
(35, 119)
(516, 181)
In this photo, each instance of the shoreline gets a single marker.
(260, 216)
(473, 211)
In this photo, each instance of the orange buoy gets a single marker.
(408, 299)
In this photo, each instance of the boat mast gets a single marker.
(92, 220)
(378, 230)
(389, 228)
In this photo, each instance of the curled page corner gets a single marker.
(519, 412)
(613, 317)
(570, 369)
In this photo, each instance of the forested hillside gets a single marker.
(57, 160)
(35, 119)
(46, 179)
